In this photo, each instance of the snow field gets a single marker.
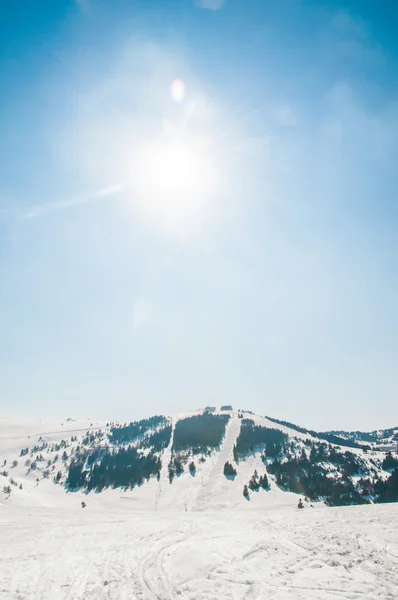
(314, 554)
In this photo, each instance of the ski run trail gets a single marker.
(194, 539)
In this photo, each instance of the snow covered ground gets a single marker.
(280, 553)
(196, 539)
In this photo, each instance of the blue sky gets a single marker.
(237, 246)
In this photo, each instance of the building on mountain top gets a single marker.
(227, 407)
(210, 409)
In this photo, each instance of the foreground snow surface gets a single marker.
(317, 553)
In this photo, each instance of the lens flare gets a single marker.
(177, 90)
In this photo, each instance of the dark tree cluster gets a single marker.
(43, 446)
(124, 434)
(257, 482)
(252, 436)
(176, 466)
(229, 470)
(200, 432)
(91, 437)
(387, 491)
(76, 476)
(309, 477)
(390, 462)
(125, 467)
(304, 478)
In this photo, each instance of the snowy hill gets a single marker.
(182, 527)
(196, 461)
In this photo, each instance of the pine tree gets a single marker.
(179, 467)
(254, 483)
(171, 471)
(246, 492)
(192, 468)
(229, 470)
(263, 481)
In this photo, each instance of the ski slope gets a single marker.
(197, 538)
(313, 554)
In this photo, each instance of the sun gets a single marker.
(175, 169)
(176, 184)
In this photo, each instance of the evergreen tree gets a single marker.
(76, 476)
(179, 467)
(229, 470)
(171, 471)
(246, 492)
(254, 483)
(390, 462)
(192, 468)
(263, 481)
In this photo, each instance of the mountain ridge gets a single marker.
(178, 463)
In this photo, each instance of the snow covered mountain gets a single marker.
(157, 509)
(198, 461)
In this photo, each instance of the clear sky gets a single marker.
(227, 238)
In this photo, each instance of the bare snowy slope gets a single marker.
(321, 554)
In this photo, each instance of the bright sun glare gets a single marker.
(177, 184)
(175, 174)
(175, 169)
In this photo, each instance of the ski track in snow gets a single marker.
(165, 467)
(322, 554)
(205, 493)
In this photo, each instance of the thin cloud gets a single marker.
(210, 4)
(41, 210)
